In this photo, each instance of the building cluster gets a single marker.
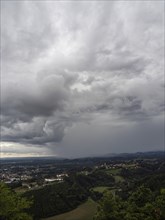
(118, 165)
(30, 176)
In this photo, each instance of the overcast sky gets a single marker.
(81, 78)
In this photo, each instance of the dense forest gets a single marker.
(62, 197)
(141, 204)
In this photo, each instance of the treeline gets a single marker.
(141, 204)
(155, 182)
(55, 199)
(58, 198)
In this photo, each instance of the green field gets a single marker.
(116, 174)
(114, 171)
(21, 189)
(100, 189)
(118, 179)
(85, 211)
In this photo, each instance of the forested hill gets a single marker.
(62, 197)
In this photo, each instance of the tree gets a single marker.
(13, 206)
(110, 208)
(159, 205)
(141, 196)
(142, 204)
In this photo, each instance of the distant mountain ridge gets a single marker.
(109, 155)
(136, 154)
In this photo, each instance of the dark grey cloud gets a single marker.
(82, 78)
(29, 39)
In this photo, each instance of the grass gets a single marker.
(118, 179)
(85, 211)
(100, 189)
(116, 174)
(113, 171)
(21, 189)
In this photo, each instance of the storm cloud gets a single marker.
(82, 78)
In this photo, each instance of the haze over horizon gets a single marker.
(81, 78)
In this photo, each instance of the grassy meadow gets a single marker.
(101, 189)
(85, 211)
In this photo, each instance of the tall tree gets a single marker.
(13, 206)
(142, 204)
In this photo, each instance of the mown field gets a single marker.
(118, 179)
(113, 171)
(85, 211)
(116, 174)
(101, 189)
